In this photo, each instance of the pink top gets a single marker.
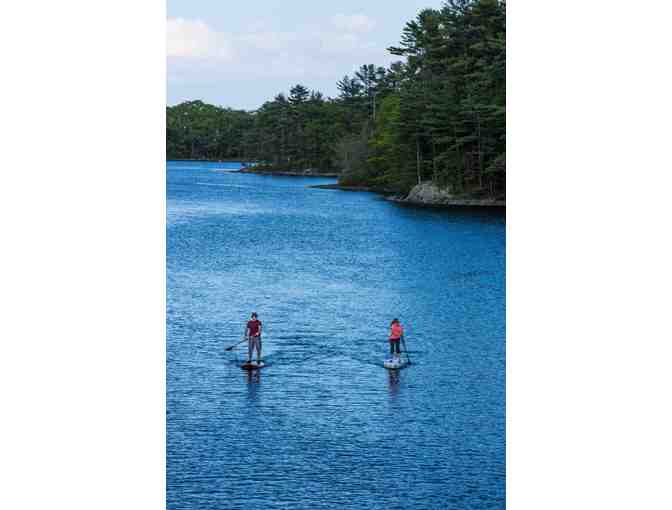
(396, 332)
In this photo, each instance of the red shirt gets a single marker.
(254, 326)
(396, 332)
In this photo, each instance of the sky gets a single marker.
(242, 53)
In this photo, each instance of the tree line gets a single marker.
(437, 114)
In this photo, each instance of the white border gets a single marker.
(82, 367)
(589, 255)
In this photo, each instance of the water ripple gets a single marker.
(324, 425)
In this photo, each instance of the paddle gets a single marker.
(403, 341)
(231, 347)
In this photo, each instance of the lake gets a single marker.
(324, 425)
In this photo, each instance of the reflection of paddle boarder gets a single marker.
(253, 379)
(253, 335)
(394, 382)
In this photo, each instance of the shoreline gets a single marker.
(342, 187)
(212, 160)
(284, 173)
(388, 194)
(393, 196)
(455, 202)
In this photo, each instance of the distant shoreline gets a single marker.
(252, 170)
(342, 187)
(285, 173)
(212, 160)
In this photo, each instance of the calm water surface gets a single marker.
(325, 425)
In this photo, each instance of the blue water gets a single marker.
(324, 425)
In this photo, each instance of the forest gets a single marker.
(437, 114)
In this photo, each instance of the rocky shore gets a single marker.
(424, 195)
(428, 194)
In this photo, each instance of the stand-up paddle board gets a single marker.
(395, 363)
(253, 365)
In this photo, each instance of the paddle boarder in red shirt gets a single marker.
(253, 335)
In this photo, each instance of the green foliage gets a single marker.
(195, 130)
(384, 159)
(439, 114)
(453, 100)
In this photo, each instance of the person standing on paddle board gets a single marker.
(253, 335)
(396, 332)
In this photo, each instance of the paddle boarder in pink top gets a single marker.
(396, 333)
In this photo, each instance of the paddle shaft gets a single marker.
(232, 346)
(403, 341)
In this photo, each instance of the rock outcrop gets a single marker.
(430, 195)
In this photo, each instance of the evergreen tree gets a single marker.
(437, 114)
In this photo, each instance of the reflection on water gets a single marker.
(253, 379)
(393, 382)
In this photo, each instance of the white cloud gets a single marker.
(187, 38)
(206, 63)
(353, 23)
